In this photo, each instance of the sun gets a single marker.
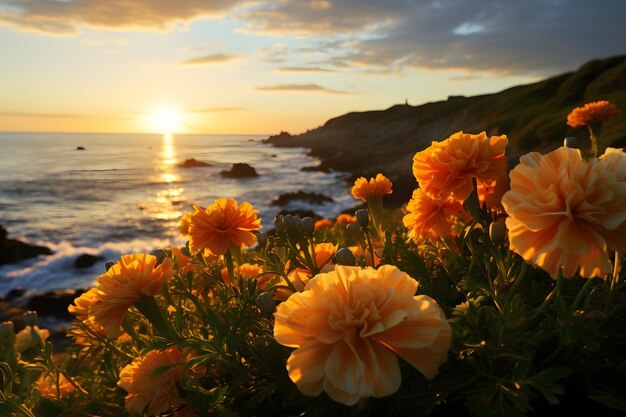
(166, 120)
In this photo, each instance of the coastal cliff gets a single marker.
(533, 116)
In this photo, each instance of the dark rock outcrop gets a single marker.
(193, 163)
(316, 168)
(240, 171)
(86, 261)
(15, 293)
(313, 198)
(80, 148)
(12, 250)
(54, 303)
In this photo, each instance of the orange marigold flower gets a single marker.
(132, 277)
(345, 219)
(448, 167)
(299, 277)
(83, 303)
(152, 394)
(592, 113)
(223, 224)
(246, 271)
(183, 224)
(183, 262)
(349, 325)
(47, 386)
(491, 192)
(323, 224)
(376, 187)
(430, 218)
(564, 212)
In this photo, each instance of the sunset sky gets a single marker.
(236, 66)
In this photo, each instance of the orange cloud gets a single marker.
(209, 59)
(64, 17)
(314, 88)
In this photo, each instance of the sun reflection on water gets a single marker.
(169, 198)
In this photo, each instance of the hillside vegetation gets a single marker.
(533, 116)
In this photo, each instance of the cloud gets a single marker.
(66, 16)
(319, 17)
(209, 59)
(304, 69)
(313, 88)
(525, 37)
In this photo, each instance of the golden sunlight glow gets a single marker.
(165, 120)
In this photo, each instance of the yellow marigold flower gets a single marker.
(30, 336)
(323, 224)
(592, 113)
(183, 224)
(132, 277)
(430, 218)
(223, 224)
(376, 187)
(565, 212)
(349, 325)
(152, 394)
(47, 386)
(345, 219)
(448, 167)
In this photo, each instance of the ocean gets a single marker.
(125, 194)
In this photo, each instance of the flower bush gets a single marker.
(493, 293)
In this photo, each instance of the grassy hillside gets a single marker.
(533, 116)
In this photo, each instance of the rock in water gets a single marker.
(193, 163)
(313, 198)
(12, 250)
(240, 171)
(54, 303)
(86, 261)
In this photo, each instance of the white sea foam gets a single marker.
(57, 271)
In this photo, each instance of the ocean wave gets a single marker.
(57, 271)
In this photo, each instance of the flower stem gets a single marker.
(553, 293)
(148, 306)
(594, 143)
(616, 270)
(230, 267)
(581, 294)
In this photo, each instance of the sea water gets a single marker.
(125, 194)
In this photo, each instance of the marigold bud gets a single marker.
(308, 225)
(279, 224)
(293, 225)
(344, 256)
(497, 232)
(30, 318)
(354, 230)
(7, 329)
(261, 237)
(266, 303)
(362, 217)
